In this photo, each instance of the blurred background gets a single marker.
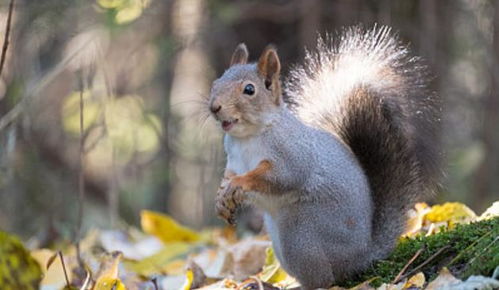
(138, 69)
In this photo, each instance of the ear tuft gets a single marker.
(269, 65)
(240, 55)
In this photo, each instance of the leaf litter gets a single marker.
(163, 254)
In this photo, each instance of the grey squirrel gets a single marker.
(337, 163)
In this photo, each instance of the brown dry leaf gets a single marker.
(416, 218)
(444, 279)
(215, 262)
(248, 256)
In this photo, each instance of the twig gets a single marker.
(467, 248)
(34, 91)
(484, 250)
(86, 283)
(6, 37)
(425, 262)
(155, 283)
(407, 265)
(81, 177)
(64, 268)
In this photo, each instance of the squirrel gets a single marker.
(337, 159)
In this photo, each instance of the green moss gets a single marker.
(471, 249)
(18, 270)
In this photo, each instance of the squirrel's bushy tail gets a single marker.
(372, 94)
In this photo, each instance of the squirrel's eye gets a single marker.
(249, 89)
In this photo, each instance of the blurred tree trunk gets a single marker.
(486, 184)
(193, 143)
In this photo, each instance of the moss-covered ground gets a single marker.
(471, 249)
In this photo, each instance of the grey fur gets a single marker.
(344, 170)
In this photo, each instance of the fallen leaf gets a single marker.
(491, 212)
(107, 277)
(443, 280)
(174, 282)
(53, 273)
(450, 212)
(166, 228)
(248, 256)
(273, 273)
(215, 263)
(417, 281)
(189, 278)
(120, 241)
(385, 286)
(416, 218)
(478, 282)
(159, 263)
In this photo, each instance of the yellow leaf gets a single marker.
(165, 228)
(451, 212)
(108, 273)
(18, 270)
(417, 281)
(273, 273)
(163, 262)
(189, 275)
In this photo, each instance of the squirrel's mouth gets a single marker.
(228, 124)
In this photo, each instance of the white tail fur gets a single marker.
(331, 73)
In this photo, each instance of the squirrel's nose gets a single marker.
(215, 108)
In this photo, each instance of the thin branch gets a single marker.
(407, 265)
(425, 262)
(35, 90)
(64, 268)
(81, 176)
(458, 256)
(6, 38)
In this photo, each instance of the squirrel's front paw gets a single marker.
(229, 198)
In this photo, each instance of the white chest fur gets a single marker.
(243, 155)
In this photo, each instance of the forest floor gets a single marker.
(445, 246)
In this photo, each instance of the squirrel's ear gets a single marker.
(269, 67)
(240, 55)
